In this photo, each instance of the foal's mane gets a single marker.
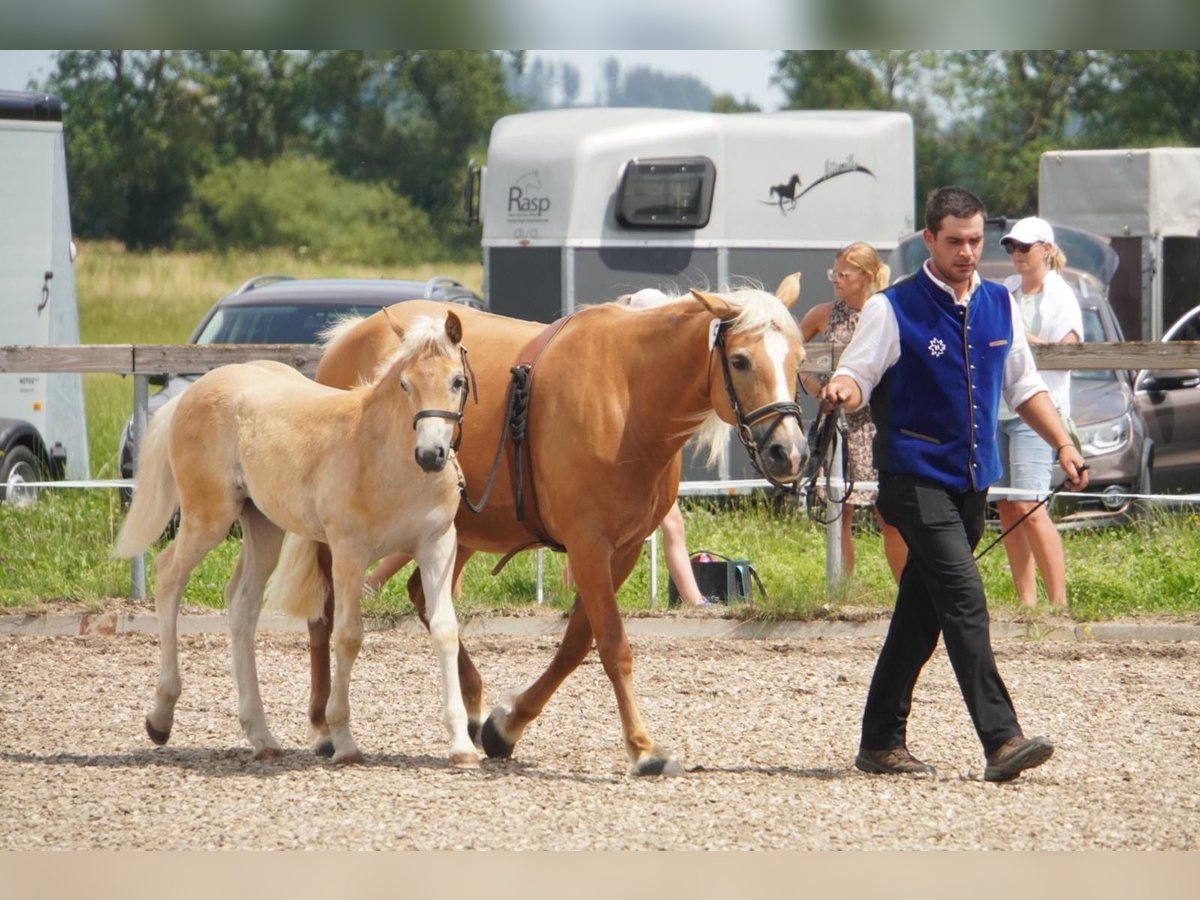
(424, 336)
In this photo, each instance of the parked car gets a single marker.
(278, 309)
(1169, 400)
(1115, 438)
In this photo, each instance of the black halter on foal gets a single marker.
(746, 421)
(451, 415)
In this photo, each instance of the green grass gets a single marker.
(59, 548)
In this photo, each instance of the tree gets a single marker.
(1142, 99)
(827, 79)
(136, 137)
(411, 119)
(1013, 106)
(644, 86)
(255, 100)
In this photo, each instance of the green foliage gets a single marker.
(300, 204)
(144, 128)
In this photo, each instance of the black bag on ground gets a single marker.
(720, 579)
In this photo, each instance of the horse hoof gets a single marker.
(495, 746)
(269, 753)
(473, 729)
(656, 765)
(464, 761)
(323, 747)
(354, 758)
(159, 737)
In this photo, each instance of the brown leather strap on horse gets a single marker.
(520, 458)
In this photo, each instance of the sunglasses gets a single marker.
(838, 275)
(1012, 247)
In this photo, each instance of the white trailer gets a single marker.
(43, 430)
(582, 205)
(1147, 202)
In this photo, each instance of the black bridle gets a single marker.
(781, 410)
(828, 435)
(449, 414)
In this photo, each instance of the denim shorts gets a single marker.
(1027, 460)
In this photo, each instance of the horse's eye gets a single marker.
(405, 386)
(459, 384)
(739, 362)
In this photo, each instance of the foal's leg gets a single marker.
(347, 635)
(318, 657)
(435, 558)
(261, 542)
(468, 676)
(199, 531)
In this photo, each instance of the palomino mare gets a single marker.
(614, 395)
(362, 470)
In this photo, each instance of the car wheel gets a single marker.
(18, 466)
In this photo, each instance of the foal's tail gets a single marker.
(154, 497)
(298, 587)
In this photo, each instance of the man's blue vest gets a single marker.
(935, 409)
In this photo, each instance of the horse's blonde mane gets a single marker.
(758, 311)
(422, 336)
(331, 333)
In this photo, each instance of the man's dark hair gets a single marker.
(951, 201)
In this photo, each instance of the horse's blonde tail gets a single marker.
(154, 494)
(298, 587)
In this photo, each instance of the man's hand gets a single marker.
(841, 390)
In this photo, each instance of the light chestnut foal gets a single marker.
(362, 470)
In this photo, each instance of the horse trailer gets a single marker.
(43, 431)
(582, 205)
(1147, 202)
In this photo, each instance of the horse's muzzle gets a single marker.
(432, 459)
(783, 452)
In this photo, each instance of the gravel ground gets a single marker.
(766, 729)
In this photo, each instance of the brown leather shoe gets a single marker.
(896, 761)
(1016, 755)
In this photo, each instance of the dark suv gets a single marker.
(1111, 426)
(278, 309)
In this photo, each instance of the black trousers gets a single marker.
(940, 592)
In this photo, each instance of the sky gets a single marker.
(742, 73)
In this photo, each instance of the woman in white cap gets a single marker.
(1050, 311)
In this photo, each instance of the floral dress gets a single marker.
(860, 429)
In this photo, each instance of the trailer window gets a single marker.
(674, 192)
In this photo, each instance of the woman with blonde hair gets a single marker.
(857, 273)
(1050, 312)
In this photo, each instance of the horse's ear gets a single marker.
(715, 304)
(387, 312)
(788, 291)
(453, 328)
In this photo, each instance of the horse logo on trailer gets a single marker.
(788, 192)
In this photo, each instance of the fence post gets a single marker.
(141, 404)
(834, 511)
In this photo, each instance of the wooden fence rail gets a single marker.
(161, 359)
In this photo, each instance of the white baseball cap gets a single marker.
(1031, 230)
